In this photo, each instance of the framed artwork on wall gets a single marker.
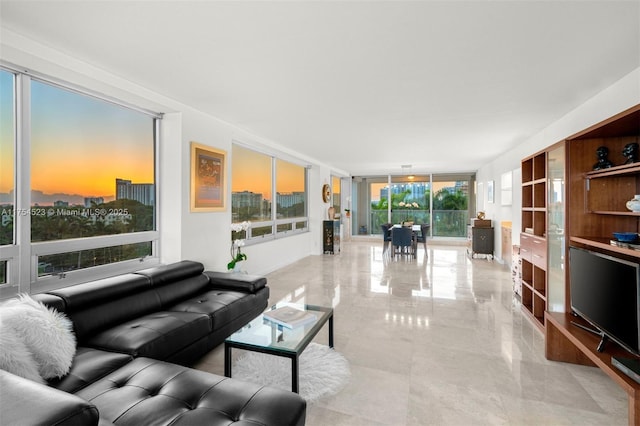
(490, 192)
(207, 178)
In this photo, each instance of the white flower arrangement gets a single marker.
(409, 205)
(236, 245)
(239, 227)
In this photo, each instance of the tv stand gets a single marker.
(576, 345)
(603, 342)
(603, 337)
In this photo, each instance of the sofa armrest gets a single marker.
(238, 282)
(24, 402)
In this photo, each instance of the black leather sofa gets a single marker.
(137, 333)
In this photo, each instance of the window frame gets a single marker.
(336, 195)
(274, 221)
(22, 255)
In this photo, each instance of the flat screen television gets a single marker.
(605, 291)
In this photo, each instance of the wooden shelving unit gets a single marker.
(595, 209)
(533, 245)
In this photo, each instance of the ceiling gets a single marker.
(364, 87)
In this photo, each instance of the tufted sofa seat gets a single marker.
(150, 392)
(173, 395)
(136, 334)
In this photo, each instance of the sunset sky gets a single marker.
(6, 132)
(79, 145)
(251, 171)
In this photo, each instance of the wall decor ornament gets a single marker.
(634, 204)
(326, 193)
(603, 161)
(630, 152)
(331, 212)
(207, 178)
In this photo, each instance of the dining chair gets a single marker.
(424, 233)
(402, 241)
(386, 233)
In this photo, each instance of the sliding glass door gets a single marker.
(442, 201)
(410, 199)
(450, 205)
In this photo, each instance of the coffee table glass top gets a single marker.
(261, 333)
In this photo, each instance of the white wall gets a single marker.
(618, 97)
(203, 237)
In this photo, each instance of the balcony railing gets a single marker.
(446, 223)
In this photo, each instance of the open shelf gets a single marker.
(620, 170)
(533, 238)
(605, 244)
(615, 213)
(567, 343)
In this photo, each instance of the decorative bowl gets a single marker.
(626, 237)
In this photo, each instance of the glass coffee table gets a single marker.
(262, 335)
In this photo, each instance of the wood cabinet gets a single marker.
(595, 208)
(506, 243)
(331, 236)
(597, 199)
(533, 241)
(480, 241)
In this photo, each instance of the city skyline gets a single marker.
(143, 192)
(78, 142)
(378, 189)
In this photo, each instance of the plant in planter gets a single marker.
(237, 243)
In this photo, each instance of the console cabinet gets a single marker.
(331, 236)
(480, 241)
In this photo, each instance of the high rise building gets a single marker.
(288, 199)
(142, 192)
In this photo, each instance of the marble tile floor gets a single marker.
(436, 340)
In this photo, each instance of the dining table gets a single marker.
(414, 228)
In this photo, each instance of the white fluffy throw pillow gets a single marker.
(15, 357)
(47, 334)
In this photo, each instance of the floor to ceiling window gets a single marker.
(442, 201)
(410, 199)
(450, 211)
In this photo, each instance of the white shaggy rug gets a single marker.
(322, 371)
